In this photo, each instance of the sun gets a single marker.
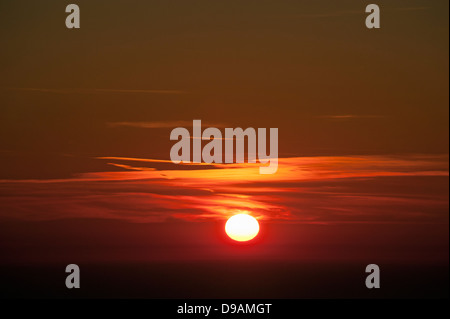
(242, 227)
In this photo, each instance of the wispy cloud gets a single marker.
(350, 117)
(411, 9)
(132, 167)
(147, 160)
(95, 90)
(344, 13)
(134, 159)
(332, 14)
(161, 124)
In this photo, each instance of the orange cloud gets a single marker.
(309, 189)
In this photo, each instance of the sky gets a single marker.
(86, 116)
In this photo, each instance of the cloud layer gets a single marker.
(381, 189)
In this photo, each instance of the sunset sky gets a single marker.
(362, 115)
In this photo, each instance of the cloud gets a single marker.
(345, 13)
(132, 167)
(333, 14)
(411, 9)
(161, 124)
(343, 189)
(350, 117)
(147, 160)
(90, 91)
(133, 159)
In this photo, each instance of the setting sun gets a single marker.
(242, 227)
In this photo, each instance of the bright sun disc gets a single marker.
(242, 227)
